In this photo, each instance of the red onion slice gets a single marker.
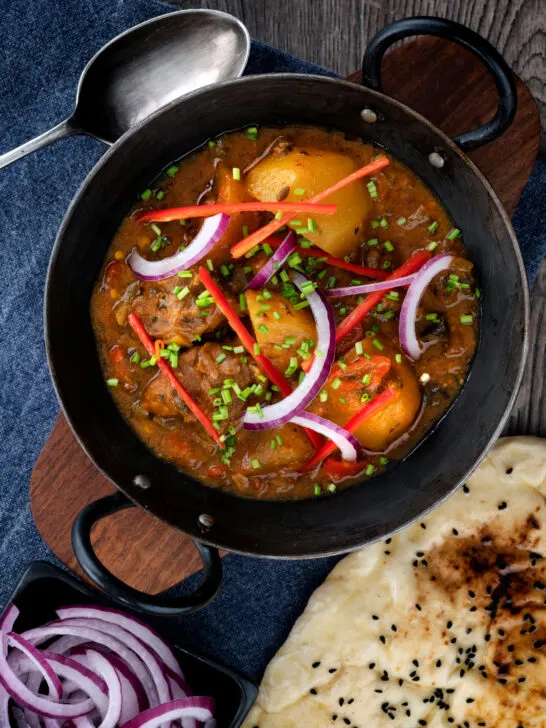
(347, 443)
(7, 620)
(180, 690)
(370, 287)
(134, 661)
(86, 680)
(274, 263)
(40, 704)
(195, 707)
(154, 665)
(38, 660)
(278, 414)
(408, 313)
(102, 667)
(210, 233)
(130, 624)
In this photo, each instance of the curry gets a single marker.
(285, 312)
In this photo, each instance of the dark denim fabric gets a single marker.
(44, 46)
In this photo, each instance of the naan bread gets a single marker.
(442, 625)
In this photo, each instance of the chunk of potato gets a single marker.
(382, 370)
(314, 170)
(291, 323)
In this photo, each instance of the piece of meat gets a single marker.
(199, 371)
(255, 449)
(167, 317)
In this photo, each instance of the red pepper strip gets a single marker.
(369, 409)
(362, 270)
(185, 213)
(168, 373)
(269, 369)
(246, 244)
(372, 299)
(343, 468)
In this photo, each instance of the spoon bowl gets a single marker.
(144, 69)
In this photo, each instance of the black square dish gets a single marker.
(43, 588)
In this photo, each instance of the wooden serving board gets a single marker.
(436, 78)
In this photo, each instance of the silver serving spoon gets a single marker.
(145, 68)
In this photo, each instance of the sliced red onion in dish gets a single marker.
(347, 443)
(114, 676)
(128, 623)
(408, 313)
(281, 412)
(274, 263)
(371, 287)
(154, 665)
(40, 704)
(210, 233)
(134, 661)
(195, 707)
(38, 660)
(103, 667)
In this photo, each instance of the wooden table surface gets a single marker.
(333, 34)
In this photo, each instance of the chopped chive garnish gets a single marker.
(341, 364)
(256, 349)
(273, 444)
(467, 319)
(359, 348)
(317, 489)
(211, 143)
(185, 274)
(242, 302)
(210, 264)
(343, 311)
(401, 221)
(370, 469)
(278, 215)
(165, 353)
(373, 241)
(173, 359)
(296, 223)
(245, 231)
(255, 464)
(375, 224)
(336, 383)
(277, 316)
(224, 270)
(323, 396)
(366, 379)
(156, 245)
(432, 246)
(342, 400)
(432, 317)
(252, 133)
(172, 170)
(433, 227)
(365, 398)
(398, 358)
(146, 195)
(301, 230)
(135, 358)
(236, 172)
(238, 349)
(377, 344)
(292, 367)
(299, 191)
(279, 440)
(156, 229)
(159, 195)
(182, 293)
(301, 304)
(388, 246)
(383, 460)
(220, 358)
(393, 296)
(386, 265)
(477, 293)
(226, 396)
(372, 189)
(331, 488)
(383, 223)
(112, 382)
(311, 225)
(262, 328)
(453, 233)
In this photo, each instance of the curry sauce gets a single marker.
(380, 223)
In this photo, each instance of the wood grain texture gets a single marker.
(334, 33)
(140, 549)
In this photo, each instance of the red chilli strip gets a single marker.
(168, 373)
(230, 208)
(362, 270)
(267, 367)
(369, 409)
(246, 244)
(411, 265)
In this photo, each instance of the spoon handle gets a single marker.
(65, 128)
